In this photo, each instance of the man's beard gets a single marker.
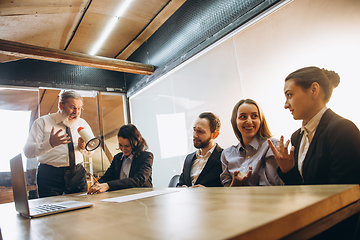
(69, 123)
(202, 144)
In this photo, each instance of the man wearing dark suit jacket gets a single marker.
(203, 167)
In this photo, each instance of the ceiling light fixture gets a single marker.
(110, 26)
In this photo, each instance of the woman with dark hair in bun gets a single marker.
(326, 149)
(129, 169)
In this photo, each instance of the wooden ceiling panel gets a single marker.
(51, 31)
(88, 33)
(151, 28)
(122, 34)
(128, 27)
(41, 23)
(26, 7)
(143, 11)
(108, 8)
(76, 25)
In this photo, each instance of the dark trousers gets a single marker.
(54, 181)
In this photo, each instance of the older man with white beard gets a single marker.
(60, 170)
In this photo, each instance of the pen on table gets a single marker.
(95, 179)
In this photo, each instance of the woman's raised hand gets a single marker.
(283, 157)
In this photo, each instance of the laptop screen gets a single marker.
(19, 185)
(21, 196)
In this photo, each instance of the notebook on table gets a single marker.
(21, 196)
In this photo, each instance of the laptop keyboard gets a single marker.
(48, 208)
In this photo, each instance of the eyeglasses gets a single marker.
(73, 108)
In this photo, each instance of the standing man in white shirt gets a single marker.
(202, 168)
(59, 149)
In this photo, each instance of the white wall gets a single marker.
(251, 64)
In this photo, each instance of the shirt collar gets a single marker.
(58, 117)
(131, 156)
(207, 155)
(255, 143)
(311, 126)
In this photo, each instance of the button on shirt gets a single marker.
(256, 154)
(308, 131)
(199, 164)
(38, 144)
(126, 165)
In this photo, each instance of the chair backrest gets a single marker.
(174, 180)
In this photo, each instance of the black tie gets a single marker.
(71, 151)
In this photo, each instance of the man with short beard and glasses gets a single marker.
(202, 168)
(49, 141)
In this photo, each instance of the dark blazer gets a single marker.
(139, 175)
(209, 176)
(333, 156)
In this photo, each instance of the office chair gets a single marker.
(174, 180)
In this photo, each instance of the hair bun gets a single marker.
(333, 77)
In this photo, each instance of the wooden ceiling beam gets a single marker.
(73, 58)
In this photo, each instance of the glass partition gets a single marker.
(19, 108)
(112, 118)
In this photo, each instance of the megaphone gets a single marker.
(92, 143)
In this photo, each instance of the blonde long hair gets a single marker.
(264, 131)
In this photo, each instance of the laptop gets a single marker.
(21, 196)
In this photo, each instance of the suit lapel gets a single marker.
(210, 162)
(118, 166)
(319, 131)
(296, 141)
(187, 167)
(133, 167)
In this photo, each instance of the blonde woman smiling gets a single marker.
(251, 162)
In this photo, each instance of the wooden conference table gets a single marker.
(296, 212)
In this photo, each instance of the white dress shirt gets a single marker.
(199, 164)
(126, 165)
(309, 132)
(38, 144)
